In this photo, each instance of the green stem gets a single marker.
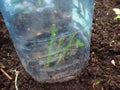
(61, 56)
(60, 41)
(52, 40)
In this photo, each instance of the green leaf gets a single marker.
(79, 43)
(98, 83)
(117, 17)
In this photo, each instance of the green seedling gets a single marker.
(117, 12)
(52, 41)
(78, 44)
(117, 18)
(98, 83)
(61, 56)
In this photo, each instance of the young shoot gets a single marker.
(61, 56)
(117, 12)
(58, 44)
(51, 44)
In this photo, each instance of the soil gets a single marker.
(100, 74)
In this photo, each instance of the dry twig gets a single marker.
(3, 71)
(16, 77)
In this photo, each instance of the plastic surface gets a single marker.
(51, 37)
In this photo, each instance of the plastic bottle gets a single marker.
(51, 37)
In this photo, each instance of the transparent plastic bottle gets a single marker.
(51, 37)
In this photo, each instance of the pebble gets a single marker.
(113, 62)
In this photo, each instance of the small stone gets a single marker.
(8, 54)
(113, 62)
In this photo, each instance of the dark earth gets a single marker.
(100, 74)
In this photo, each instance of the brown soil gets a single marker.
(99, 75)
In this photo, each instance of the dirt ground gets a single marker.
(100, 74)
